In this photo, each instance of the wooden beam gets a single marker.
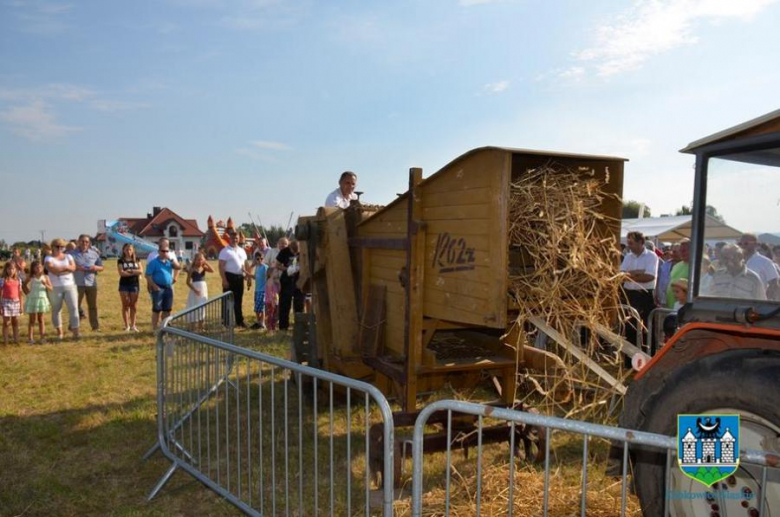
(624, 346)
(378, 243)
(576, 352)
(415, 256)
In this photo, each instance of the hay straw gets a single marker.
(565, 271)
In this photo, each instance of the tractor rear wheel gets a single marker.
(744, 382)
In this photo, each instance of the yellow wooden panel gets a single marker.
(388, 262)
(393, 286)
(447, 313)
(477, 242)
(459, 212)
(384, 228)
(454, 300)
(396, 254)
(394, 341)
(474, 196)
(458, 255)
(394, 214)
(464, 176)
(458, 286)
(479, 227)
(341, 296)
(383, 273)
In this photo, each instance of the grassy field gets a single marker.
(76, 417)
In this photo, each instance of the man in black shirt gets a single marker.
(287, 261)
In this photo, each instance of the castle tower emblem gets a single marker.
(708, 450)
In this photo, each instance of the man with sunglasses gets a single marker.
(232, 270)
(161, 273)
(88, 265)
(762, 266)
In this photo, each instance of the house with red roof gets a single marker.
(183, 234)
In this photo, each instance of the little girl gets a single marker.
(680, 290)
(272, 288)
(37, 302)
(10, 299)
(196, 281)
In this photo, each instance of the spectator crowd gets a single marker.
(62, 277)
(656, 277)
(65, 274)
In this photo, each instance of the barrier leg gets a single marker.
(163, 480)
(151, 451)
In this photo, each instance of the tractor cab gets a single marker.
(725, 357)
(736, 193)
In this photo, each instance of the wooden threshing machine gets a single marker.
(415, 295)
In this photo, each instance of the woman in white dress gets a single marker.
(199, 291)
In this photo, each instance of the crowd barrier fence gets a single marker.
(547, 424)
(269, 435)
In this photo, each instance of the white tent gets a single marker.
(676, 228)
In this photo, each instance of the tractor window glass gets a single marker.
(741, 256)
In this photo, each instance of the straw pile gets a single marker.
(564, 269)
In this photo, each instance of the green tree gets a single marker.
(273, 233)
(631, 209)
(709, 210)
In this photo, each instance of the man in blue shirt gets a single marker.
(88, 265)
(160, 277)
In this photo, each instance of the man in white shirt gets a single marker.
(345, 193)
(762, 266)
(232, 270)
(734, 280)
(641, 268)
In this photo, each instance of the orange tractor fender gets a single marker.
(696, 340)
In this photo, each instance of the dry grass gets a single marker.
(567, 275)
(76, 417)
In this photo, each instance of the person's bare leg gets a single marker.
(30, 328)
(125, 309)
(41, 326)
(15, 325)
(133, 311)
(6, 323)
(155, 319)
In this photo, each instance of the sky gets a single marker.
(226, 107)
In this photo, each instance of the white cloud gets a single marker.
(54, 91)
(111, 106)
(573, 73)
(270, 146)
(494, 88)
(263, 150)
(35, 121)
(41, 17)
(652, 27)
(29, 111)
(263, 14)
(469, 3)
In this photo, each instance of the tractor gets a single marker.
(725, 355)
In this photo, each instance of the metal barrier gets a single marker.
(213, 318)
(545, 424)
(269, 435)
(655, 328)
